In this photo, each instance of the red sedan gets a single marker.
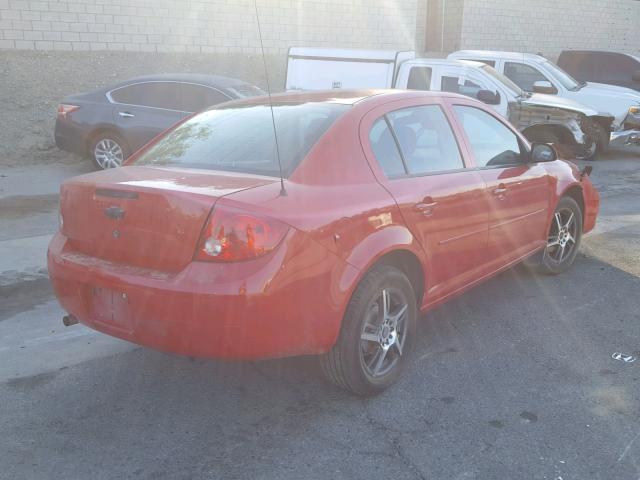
(390, 203)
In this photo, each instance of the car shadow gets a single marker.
(519, 350)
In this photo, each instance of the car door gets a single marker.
(414, 153)
(518, 193)
(143, 110)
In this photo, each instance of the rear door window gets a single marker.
(425, 139)
(385, 149)
(419, 78)
(523, 75)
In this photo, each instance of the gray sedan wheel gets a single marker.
(109, 150)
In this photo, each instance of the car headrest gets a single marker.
(407, 138)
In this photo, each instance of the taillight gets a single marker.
(64, 110)
(232, 235)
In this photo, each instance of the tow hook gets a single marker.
(69, 320)
(585, 172)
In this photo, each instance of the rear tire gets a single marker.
(563, 240)
(108, 149)
(372, 347)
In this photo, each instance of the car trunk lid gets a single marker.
(142, 216)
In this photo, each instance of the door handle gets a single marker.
(500, 191)
(126, 114)
(426, 206)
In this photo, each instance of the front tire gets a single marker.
(376, 335)
(563, 239)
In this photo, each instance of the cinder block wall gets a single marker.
(204, 26)
(550, 26)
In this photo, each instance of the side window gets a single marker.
(385, 149)
(468, 88)
(419, 78)
(194, 98)
(523, 75)
(492, 142)
(149, 94)
(426, 140)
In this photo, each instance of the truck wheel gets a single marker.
(588, 152)
(563, 239)
(376, 334)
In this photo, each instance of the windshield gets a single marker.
(561, 76)
(241, 139)
(504, 80)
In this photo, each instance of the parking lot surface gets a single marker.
(514, 379)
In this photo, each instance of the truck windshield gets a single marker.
(563, 77)
(503, 80)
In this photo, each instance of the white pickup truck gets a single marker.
(541, 118)
(534, 73)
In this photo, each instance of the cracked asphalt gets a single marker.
(512, 380)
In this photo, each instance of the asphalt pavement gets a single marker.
(512, 380)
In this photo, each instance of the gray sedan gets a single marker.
(111, 123)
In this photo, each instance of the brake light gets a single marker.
(232, 235)
(64, 110)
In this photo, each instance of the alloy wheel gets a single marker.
(383, 334)
(108, 153)
(562, 236)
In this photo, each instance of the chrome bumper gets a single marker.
(624, 138)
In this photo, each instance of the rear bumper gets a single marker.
(70, 137)
(284, 304)
(624, 138)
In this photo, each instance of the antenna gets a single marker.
(283, 192)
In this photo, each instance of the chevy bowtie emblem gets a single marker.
(114, 212)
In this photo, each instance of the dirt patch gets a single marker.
(20, 206)
(33, 84)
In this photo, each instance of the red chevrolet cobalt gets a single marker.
(214, 240)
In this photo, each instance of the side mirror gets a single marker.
(488, 97)
(636, 76)
(543, 86)
(541, 152)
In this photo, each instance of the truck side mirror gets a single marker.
(488, 97)
(544, 86)
(636, 76)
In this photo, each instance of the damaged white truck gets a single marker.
(540, 117)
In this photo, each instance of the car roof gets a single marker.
(447, 62)
(500, 54)
(595, 51)
(206, 79)
(339, 96)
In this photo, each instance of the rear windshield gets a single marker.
(241, 138)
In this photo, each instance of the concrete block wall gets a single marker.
(550, 26)
(205, 26)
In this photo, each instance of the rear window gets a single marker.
(241, 138)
